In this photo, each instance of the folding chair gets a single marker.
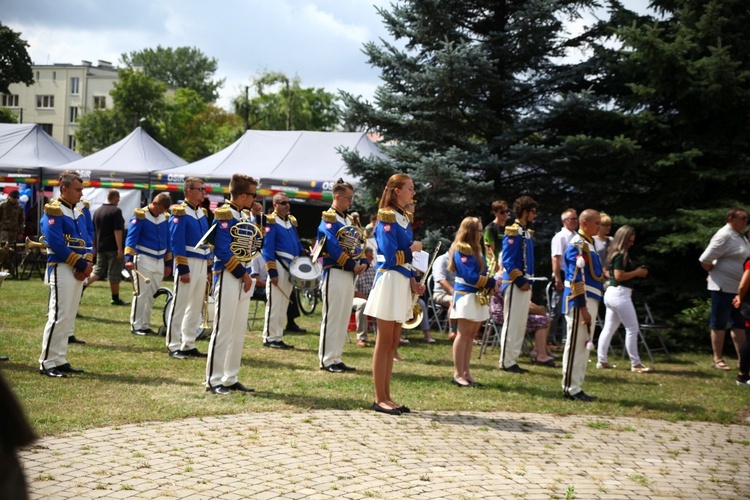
(251, 319)
(649, 325)
(438, 315)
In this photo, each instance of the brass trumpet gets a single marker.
(416, 309)
(74, 243)
(485, 294)
(30, 244)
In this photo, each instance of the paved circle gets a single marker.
(361, 454)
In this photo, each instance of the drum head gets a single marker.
(304, 268)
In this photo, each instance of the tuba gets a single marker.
(416, 309)
(247, 240)
(352, 241)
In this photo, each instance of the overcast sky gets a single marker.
(318, 40)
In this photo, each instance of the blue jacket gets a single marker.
(333, 255)
(394, 237)
(518, 255)
(148, 235)
(227, 217)
(280, 242)
(62, 219)
(187, 225)
(469, 279)
(582, 282)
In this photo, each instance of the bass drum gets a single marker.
(304, 273)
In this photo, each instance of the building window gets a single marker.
(73, 114)
(47, 127)
(10, 100)
(45, 101)
(74, 83)
(72, 142)
(100, 102)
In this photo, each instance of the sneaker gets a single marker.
(743, 380)
(641, 369)
(605, 366)
(119, 302)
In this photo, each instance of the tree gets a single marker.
(183, 67)
(101, 128)
(282, 104)
(15, 63)
(458, 102)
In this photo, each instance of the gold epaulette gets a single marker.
(531, 233)
(247, 212)
(293, 220)
(86, 204)
(409, 216)
(387, 215)
(464, 248)
(223, 213)
(178, 211)
(53, 208)
(511, 230)
(140, 213)
(271, 218)
(205, 212)
(329, 215)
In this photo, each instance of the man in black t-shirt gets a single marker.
(109, 225)
(494, 232)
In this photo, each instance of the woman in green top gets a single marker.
(619, 302)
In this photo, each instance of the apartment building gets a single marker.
(60, 94)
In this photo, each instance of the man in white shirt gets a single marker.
(559, 244)
(724, 260)
(442, 291)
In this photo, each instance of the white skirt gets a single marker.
(390, 299)
(467, 306)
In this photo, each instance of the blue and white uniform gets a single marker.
(390, 299)
(338, 288)
(584, 281)
(470, 278)
(187, 225)
(149, 248)
(518, 268)
(232, 303)
(63, 226)
(280, 245)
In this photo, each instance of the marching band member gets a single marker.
(69, 262)
(584, 278)
(339, 271)
(233, 286)
(148, 250)
(467, 260)
(187, 225)
(390, 300)
(280, 245)
(518, 267)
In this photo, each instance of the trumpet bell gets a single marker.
(416, 319)
(31, 244)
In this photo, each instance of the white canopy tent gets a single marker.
(25, 148)
(301, 163)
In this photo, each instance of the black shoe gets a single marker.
(277, 344)
(149, 331)
(194, 352)
(219, 389)
(79, 315)
(582, 396)
(119, 302)
(140, 333)
(239, 387)
(404, 409)
(73, 340)
(387, 411)
(515, 369)
(294, 328)
(333, 369)
(52, 372)
(4, 358)
(177, 355)
(66, 368)
(347, 368)
(456, 382)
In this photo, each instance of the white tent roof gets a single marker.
(298, 156)
(132, 159)
(27, 146)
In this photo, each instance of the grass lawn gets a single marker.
(131, 379)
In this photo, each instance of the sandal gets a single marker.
(720, 365)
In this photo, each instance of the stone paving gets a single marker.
(361, 454)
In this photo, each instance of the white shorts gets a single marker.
(390, 299)
(468, 307)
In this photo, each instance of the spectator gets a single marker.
(743, 377)
(442, 291)
(559, 244)
(362, 287)
(109, 225)
(723, 259)
(602, 240)
(11, 218)
(494, 232)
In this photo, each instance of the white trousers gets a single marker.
(338, 294)
(184, 316)
(620, 310)
(359, 314)
(515, 317)
(276, 306)
(228, 336)
(575, 355)
(143, 303)
(64, 297)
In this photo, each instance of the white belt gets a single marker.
(589, 288)
(286, 255)
(200, 250)
(151, 250)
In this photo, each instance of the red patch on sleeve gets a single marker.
(329, 225)
(464, 259)
(511, 241)
(175, 220)
(268, 229)
(387, 228)
(51, 221)
(135, 221)
(225, 225)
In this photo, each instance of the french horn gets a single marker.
(247, 241)
(352, 240)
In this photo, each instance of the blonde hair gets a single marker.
(468, 233)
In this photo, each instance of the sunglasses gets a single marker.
(282, 203)
(254, 195)
(350, 198)
(199, 189)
